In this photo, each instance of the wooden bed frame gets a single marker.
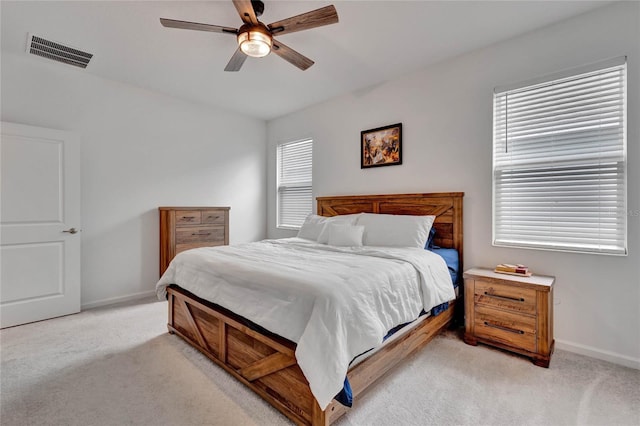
(266, 363)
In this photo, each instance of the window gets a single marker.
(295, 197)
(559, 162)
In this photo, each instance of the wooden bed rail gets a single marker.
(267, 364)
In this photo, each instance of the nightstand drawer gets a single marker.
(505, 327)
(508, 297)
(187, 218)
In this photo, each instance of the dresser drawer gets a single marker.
(505, 327)
(199, 234)
(186, 218)
(213, 216)
(508, 297)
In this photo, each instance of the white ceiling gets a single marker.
(374, 41)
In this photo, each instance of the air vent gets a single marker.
(57, 51)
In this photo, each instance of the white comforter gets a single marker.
(334, 302)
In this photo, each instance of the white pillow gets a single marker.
(314, 224)
(345, 235)
(311, 227)
(388, 230)
(346, 219)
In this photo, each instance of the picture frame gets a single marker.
(381, 146)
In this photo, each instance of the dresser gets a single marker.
(184, 228)
(510, 312)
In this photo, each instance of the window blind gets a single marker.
(559, 164)
(295, 195)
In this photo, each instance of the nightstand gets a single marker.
(510, 312)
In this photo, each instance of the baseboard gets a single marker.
(119, 299)
(592, 352)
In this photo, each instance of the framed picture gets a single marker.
(381, 146)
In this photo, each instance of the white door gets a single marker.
(39, 217)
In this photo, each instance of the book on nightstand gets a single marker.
(509, 269)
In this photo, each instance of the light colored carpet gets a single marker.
(119, 366)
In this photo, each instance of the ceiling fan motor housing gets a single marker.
(255, 40)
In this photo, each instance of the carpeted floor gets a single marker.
(119, 366)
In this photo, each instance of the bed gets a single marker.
(267, 363)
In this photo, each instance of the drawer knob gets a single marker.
(201, 233)
(511, 299)
(499, 327)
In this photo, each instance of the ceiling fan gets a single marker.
(256, 39)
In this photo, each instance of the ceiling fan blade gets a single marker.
(316, 18)
(172, 23)
(246, 12)
(236, 61)
(290, 55)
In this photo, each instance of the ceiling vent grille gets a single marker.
(57, 52)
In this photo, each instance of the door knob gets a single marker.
(71, 231)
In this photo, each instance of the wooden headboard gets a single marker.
(446, 206)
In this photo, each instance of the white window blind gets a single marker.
(559, 164)
(295, 197)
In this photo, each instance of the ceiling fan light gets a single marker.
(255, 43)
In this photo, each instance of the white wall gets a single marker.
(140, 150)
(446, 111)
